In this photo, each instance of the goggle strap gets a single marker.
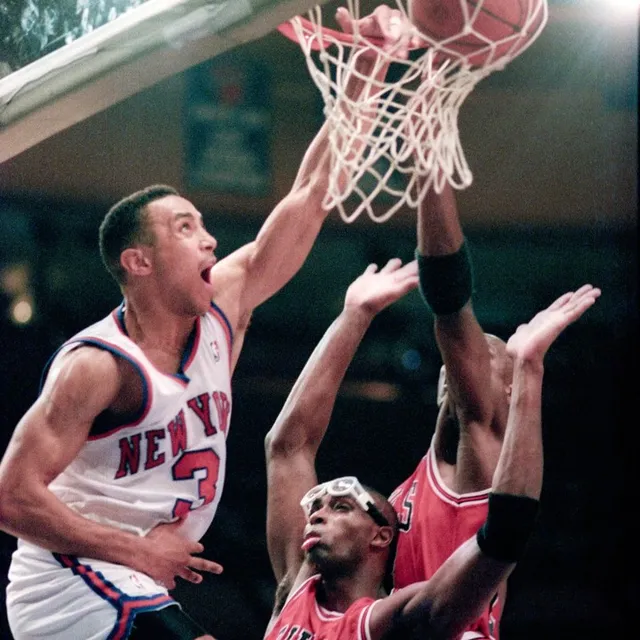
(366, 502)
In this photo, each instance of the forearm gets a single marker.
(520, 466)
(286, 238)
(282, 246)
(311, 401)
(38, 516)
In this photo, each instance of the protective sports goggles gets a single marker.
(345, 486)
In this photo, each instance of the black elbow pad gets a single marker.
(509, 524)
(446, 282)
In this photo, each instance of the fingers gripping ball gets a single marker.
(483, 31)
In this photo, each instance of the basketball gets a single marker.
(507, 23)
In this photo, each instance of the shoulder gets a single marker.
(85, 362)
(84, 368)
(298, 589)
(292, 586)
(80, 384)
(107, 335)
(388, 616)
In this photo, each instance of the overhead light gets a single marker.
(21, 310)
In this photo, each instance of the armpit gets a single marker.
(282, 593)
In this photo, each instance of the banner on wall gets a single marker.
(228, 122)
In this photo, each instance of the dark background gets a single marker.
(552, 142)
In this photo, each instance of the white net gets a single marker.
(400, 137)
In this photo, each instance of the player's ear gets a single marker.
(383, 536)
(135, 261)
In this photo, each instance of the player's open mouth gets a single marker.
(205, 273)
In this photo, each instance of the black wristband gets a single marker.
(446, 282)
(506, 531)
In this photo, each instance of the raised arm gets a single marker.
(45, 441)
(251, 275)
(463, 585)
(447, 284)
(292, 443)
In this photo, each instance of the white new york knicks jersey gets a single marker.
(166, 461)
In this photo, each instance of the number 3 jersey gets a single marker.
(169, 459)
(166, 461)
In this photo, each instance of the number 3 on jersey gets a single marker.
(186, 467)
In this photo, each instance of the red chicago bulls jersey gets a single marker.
(434, 522)
(302, 618)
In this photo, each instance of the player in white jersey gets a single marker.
(115, 471)
(172, 451)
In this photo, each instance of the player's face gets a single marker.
(182, 254)
(338, 533)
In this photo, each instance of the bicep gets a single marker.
(56, 426)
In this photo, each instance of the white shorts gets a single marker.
(56, 597)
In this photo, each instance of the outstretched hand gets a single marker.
(374, 290)
(533, 339)
(170, 555)
(391, 26)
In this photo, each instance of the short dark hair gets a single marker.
(124, 226)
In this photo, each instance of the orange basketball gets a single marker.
(491, 20)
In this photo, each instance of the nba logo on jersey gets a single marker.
(216, 350)
(135, 580)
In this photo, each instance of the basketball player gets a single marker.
(330, 557)
(445, 500)
(116, 471)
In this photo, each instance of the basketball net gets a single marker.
(400, 137)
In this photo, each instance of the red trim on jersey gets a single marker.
(105, 589)
(437, 484)
(180, 378)
(126, 606)
(132, 607)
